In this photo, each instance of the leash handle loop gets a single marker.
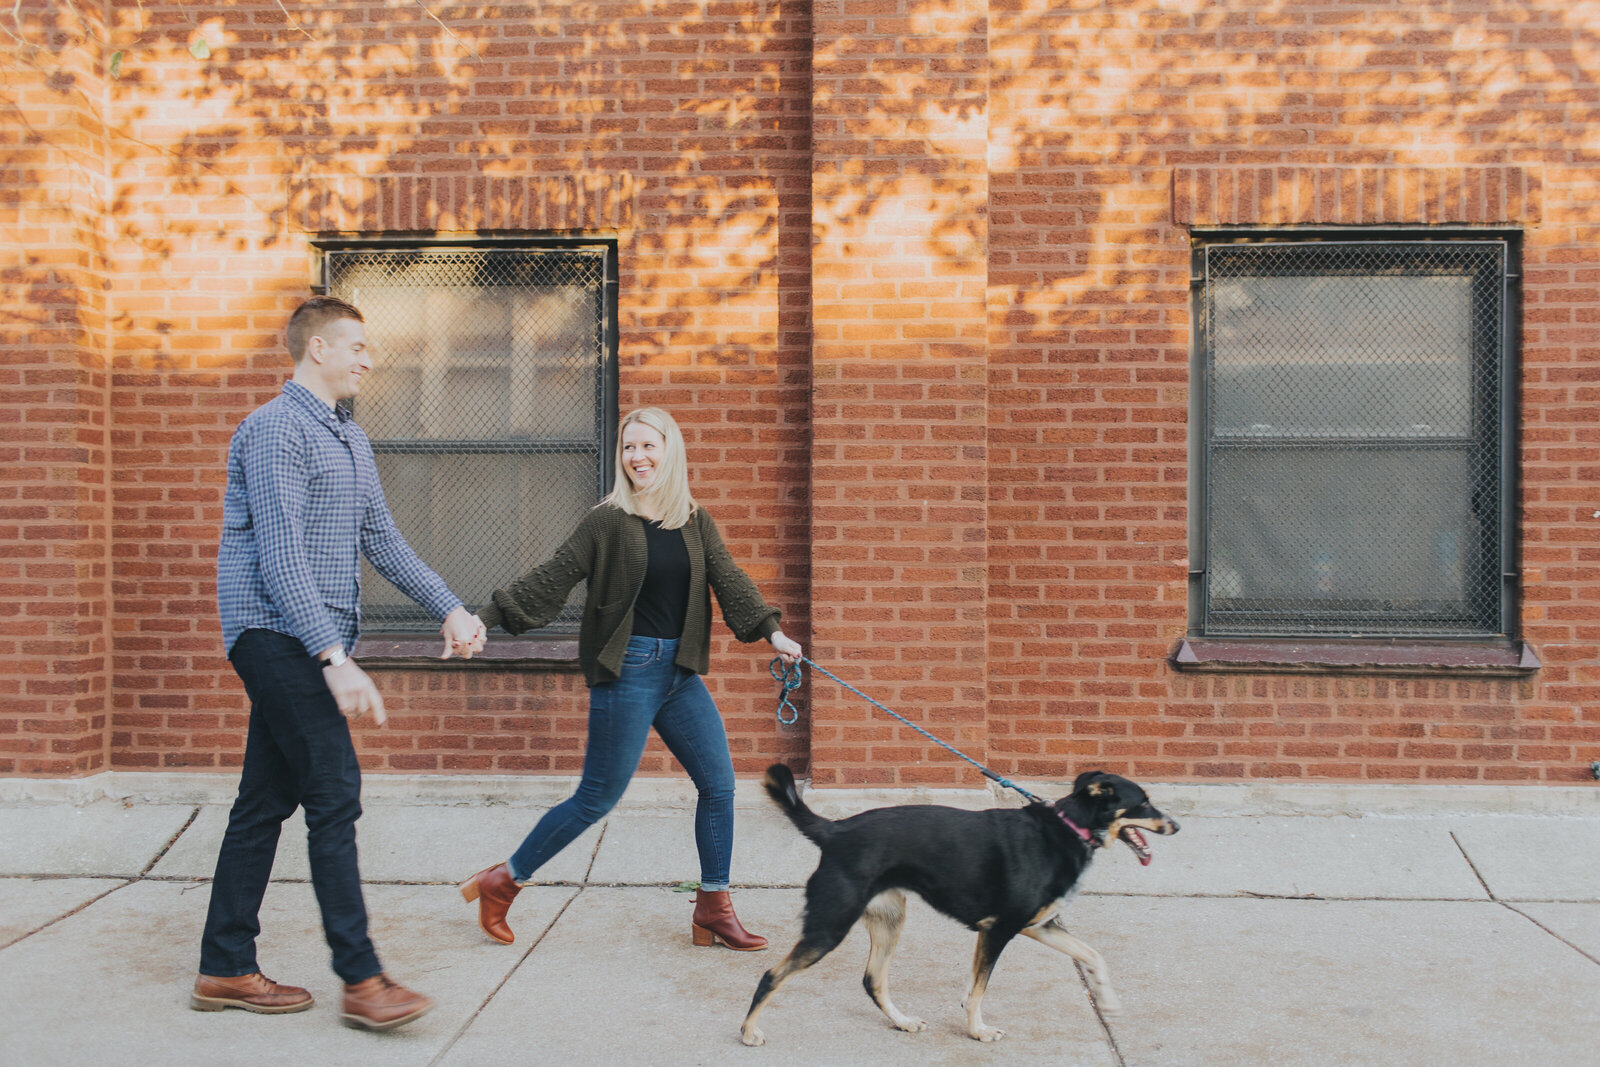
(791, 678)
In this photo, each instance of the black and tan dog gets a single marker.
(1002, 872)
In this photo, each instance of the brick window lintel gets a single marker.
(1289, 195)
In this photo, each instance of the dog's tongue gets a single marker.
(1135, 840)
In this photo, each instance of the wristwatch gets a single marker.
(335, 658)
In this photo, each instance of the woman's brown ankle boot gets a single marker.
(494, 891)
(715, 921)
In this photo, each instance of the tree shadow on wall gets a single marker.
(712, 116)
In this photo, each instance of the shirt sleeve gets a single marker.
(275, 479)
(386, 547)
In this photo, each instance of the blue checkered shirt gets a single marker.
(303, 505)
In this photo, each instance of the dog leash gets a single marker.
(790, 677)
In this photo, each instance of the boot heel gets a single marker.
(702, 937)
(469, 889)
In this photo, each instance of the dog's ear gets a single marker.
(1090, 783)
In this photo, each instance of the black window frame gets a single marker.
(554, 647)
(1201, 435)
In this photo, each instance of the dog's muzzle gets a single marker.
(1132, 836)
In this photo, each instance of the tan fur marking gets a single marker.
(884, 918)
(974, 999)
(1055, 935)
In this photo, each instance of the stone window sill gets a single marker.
(1494, 659)
(420, 652)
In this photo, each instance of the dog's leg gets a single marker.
(833, 905)
(1054, 934)
(884, 917)
(990, 945)
(800, 957)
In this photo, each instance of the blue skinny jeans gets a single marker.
(652, 691)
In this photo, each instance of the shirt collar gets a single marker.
(314, 404)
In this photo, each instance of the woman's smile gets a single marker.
(642, 448)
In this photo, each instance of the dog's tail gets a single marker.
(780, 786)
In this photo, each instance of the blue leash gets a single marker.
(791, 677)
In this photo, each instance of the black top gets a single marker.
(664, 600)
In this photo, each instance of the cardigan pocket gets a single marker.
(610, 617)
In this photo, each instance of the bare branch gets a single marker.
(446, 29)
(83, 23)
(292, 21)
(16, 16)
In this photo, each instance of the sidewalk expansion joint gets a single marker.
(467, 1023)
(672, 885)
(67, 915)
(1586, 955)
(1475, 872)
(1105, 1024)
(595, 855)
(580, 887)
(173, 840)
(1251, 894)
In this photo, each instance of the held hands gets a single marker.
(354, 692)
(788, 649)
(464, 634)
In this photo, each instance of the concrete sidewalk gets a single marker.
(1283, 925)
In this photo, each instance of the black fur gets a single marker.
(1001, 872)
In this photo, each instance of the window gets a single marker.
(1352, 437)
(490, 405)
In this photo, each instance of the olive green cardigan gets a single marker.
(608, 549)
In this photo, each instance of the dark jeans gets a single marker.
(653, 691)
(298, 753)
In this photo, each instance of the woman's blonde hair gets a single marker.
(669, 492)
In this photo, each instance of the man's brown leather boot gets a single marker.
(715, 921)
(252, 992)
(380, 1003)
(494, 891)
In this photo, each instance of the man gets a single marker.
(303, 505)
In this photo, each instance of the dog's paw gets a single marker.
(752, 1036)
(988, 1033)
(1108, 1003)
(911, 1026)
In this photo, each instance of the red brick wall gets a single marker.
(1112, 130)
(898, 464)
(678, 133)
(54, 452)
(913, 275)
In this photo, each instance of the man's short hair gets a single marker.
(309, 319)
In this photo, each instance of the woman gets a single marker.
(649, 555)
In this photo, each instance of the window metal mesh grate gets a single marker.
(1353, 438)
(485, 407)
